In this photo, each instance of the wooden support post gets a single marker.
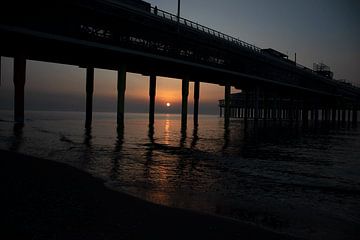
(279, 109)
(328, 114)
(184, 106)
(19, 83)
(305, 114)
(227, 103)
(291, 109)
(354, 115)
(246, 108)
(274, 107)
(0, 69)
(256, 103)
(121, 87)
(265, 106)
(316, 114)
(196, 102)
(343, 118)
(89, 96)
(152, 95)
(333, 114)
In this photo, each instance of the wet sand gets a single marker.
(49, 200)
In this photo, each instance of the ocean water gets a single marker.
(302, 182)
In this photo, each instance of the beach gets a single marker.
(49, 200)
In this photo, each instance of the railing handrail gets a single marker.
(202, 28)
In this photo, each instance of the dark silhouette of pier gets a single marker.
(132, 36)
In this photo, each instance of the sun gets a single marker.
(168, 104)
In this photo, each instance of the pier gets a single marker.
(132, 36)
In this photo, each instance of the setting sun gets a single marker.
(168, 104)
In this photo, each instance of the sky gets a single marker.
(325, 31)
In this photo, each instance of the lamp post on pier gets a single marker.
(178, 11)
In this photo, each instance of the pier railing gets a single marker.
(202, 28)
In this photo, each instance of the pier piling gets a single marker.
(152, 94)
(121, 87)
(196, 102)
(89, 95)
(185, 94)
(19, 83)
(227, 103)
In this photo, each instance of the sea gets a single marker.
(301, 181)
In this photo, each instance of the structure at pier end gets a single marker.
(340, 106)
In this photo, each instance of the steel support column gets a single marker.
(305, 114)
(354, 116)
(256, 103)
(89, 96)
(196, 102)
(343, 117)
(227, 103)
(0, 69)
(121, 87)
(316, 115)
(333, 114)
(184, 106)
(19, 83)
(152, 94)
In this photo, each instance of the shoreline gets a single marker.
(49, 200)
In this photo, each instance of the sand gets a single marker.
(42, 199)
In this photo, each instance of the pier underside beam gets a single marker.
(19, 83)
